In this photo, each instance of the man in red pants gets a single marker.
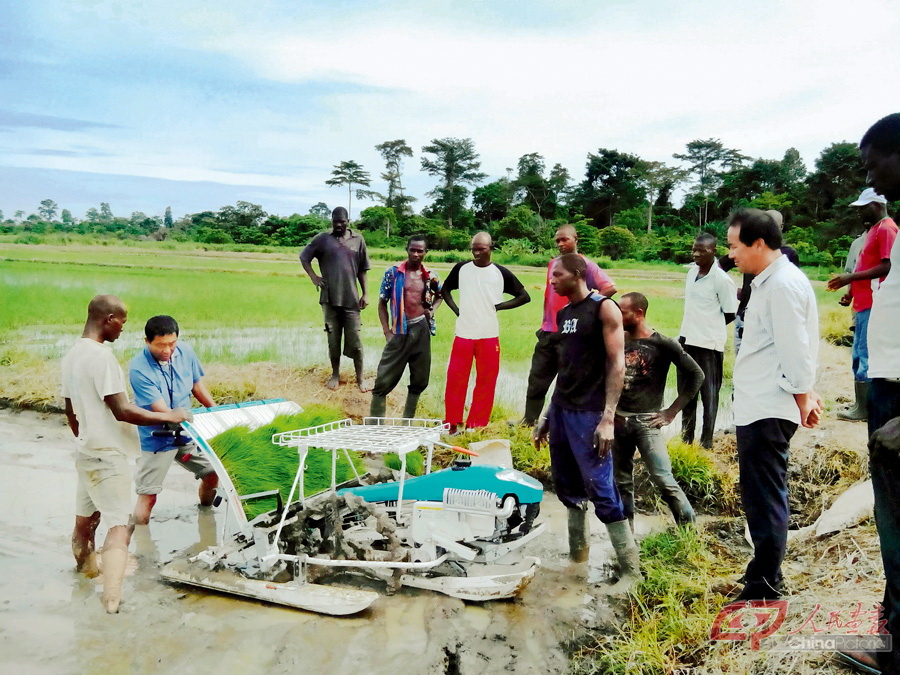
(482, 285)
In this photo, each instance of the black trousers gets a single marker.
(710, 362)
(884, 465)
(413, 348)
(762, 458)
(540, 377)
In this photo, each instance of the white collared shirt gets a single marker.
(884, 323)
(779, 351)
(706, 302)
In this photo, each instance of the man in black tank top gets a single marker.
(591, 351)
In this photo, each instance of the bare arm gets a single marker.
(447, 295)
(201, 393)
(125, 411)
(383, 317)
(841, 280)
(608, 290)
(614, 341)
(364, 287)
(520, 299)
(70, 417)
(307, 267)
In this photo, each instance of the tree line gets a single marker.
(622, 206)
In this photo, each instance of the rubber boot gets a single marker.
(858, 413)
(114, 561)
(627, 553)
(379, 405)
(412, 402)
(579, 545)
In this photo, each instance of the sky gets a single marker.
(196, 105)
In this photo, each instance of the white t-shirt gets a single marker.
(480, 290)
(706, 302)
(884, 323)
(89, 373)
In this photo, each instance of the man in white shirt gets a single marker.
(93, 386)
(482, 285)
(774, 375)
(710, 303)
(880, 149)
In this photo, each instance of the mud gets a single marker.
(51, 619)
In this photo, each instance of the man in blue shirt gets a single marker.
(163, 377)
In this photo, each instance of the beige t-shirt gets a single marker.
(89, 373)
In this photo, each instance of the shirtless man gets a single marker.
(411, 291)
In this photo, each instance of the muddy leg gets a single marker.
(115, 556)
(207, 490)
(83, 544)
(142, 509)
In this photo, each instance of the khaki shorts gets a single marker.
(152, 467)
(104, 485)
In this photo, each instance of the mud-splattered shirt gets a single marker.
(647, 362)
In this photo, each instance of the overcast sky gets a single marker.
(197, 105)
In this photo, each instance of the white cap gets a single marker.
(868, 196)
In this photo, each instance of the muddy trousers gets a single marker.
(342, 322)
(413, 349)
(486, 355)
(579, 473)
(763, 448)
(540, 377)
(633, 433)
(710, 362)
(884, 465)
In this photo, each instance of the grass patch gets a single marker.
(669, 613)
(415, 462)
(834, 325)
(709, 483)
(255, 465)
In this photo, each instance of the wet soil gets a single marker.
(51, 619)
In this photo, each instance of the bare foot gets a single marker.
(333, 382)
(364, 385)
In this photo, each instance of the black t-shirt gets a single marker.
(581, 352)
(647, 362)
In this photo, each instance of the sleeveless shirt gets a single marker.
(581, 351)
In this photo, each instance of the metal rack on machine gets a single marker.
(376, 435)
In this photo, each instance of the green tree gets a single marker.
(393, 153)
(491, 202)
(654, 177)
(92, 215)
(19, 215)
(456, 164)
(167, 219)
(379, 218)
(610, 184)
(242, 222)
(616, 242)
(47, 209)
(532, 188)
(706, 159)
(320, 210)
(349, 173)
(106, 214)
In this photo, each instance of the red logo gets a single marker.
(768, 616)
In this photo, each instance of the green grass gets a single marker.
(255, 465)
(669, 613)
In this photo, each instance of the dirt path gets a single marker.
(51, 619)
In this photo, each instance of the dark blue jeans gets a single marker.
(884, 405)
(762, 457)
(579, 473)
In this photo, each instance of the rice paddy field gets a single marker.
(241, 308)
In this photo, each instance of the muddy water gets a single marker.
(51, 619)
